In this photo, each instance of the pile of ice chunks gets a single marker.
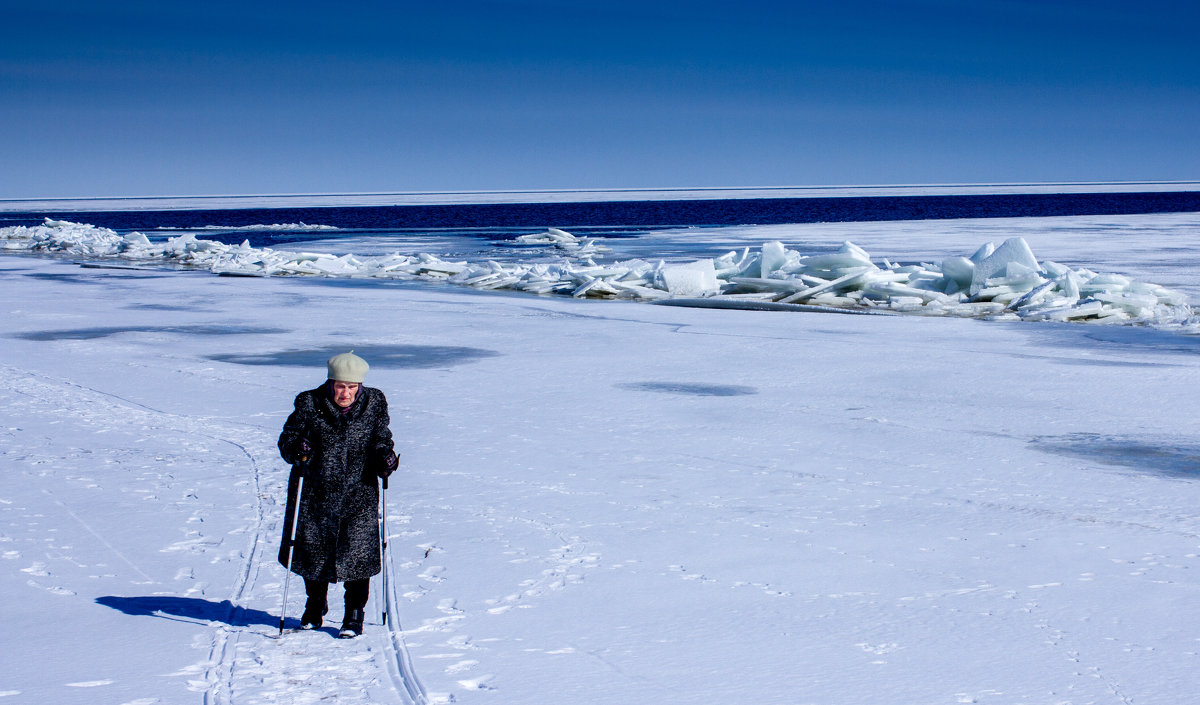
(1004, 282)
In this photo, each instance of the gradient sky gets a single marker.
(146, 97)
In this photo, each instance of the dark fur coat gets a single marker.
(338, 534)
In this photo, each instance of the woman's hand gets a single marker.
(301, 451)
(387, 464)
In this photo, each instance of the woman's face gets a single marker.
(344, 393)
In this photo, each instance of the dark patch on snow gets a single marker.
(1110, 363)
(92, 278)
(1160, 456)
(154, 269)
(1093, 362)
(105, 331)
(1113, 339)
(699, 390)
(71, 277)
(161, 307)
(378, 356)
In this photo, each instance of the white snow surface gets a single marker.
(609, 502)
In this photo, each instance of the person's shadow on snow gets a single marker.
(191, 609)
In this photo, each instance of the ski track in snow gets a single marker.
(246, 663)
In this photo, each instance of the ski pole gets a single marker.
(383, 545)
(290, 540)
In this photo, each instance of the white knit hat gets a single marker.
(348, 367)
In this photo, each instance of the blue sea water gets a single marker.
(609, 219)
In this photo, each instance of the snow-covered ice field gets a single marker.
(610, 502)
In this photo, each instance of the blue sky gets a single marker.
(155, 98)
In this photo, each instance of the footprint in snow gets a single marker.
(53, 589)
(464, 665)
(433, 574)
(462, 643)
(480, 683)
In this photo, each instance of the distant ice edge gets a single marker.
(1005, 282)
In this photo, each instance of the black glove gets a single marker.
(386, 465)
(301, 451)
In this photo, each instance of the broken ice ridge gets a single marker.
(1005, 282)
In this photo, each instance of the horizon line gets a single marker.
(597, 190)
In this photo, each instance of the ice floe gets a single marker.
(1005, 281)
(561, 239)
(283, 227)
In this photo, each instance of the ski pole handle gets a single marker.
(389, 466)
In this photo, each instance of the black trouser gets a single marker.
(357, 592)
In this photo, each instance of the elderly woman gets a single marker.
(338, 437)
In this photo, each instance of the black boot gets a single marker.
(352, 624)
(314, 610)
